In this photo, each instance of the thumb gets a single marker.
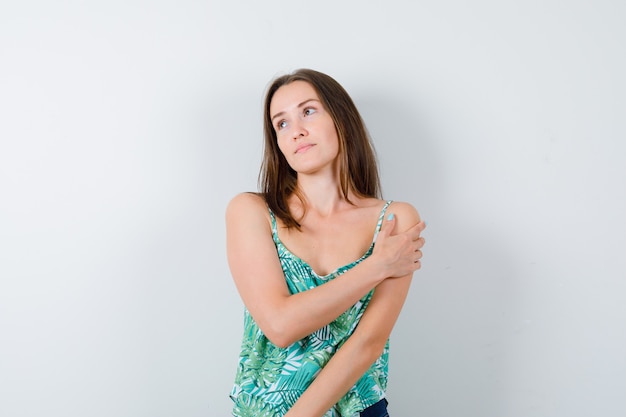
(389, 224)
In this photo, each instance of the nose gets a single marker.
(299, 130)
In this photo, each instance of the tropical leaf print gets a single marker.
(344, 325)
(317, 358)
(292, 362)
(250, 406)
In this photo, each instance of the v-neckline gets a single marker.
(334, 271)
(277, 240)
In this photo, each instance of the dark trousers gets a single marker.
(377, 410)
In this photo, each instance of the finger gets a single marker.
(419, 243)
(416, 230)
(418, 256)
(389, 224)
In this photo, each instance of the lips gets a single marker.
(304, 147)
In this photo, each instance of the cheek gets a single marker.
(334, 137)
(280, 146)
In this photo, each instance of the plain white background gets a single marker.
(126, 126)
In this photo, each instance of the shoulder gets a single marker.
(246, 201)
(407, 215)
(246, 206)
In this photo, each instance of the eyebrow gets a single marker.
(299, 105)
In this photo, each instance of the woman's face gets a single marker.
(305, 131)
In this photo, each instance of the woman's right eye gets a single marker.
(281, 125)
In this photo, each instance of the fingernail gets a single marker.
(390, 217)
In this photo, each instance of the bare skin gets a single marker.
(334, 233)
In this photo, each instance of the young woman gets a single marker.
(323, 266)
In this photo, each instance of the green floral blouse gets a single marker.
(270, 379)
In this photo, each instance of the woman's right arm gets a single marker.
(284, 317)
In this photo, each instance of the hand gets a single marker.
(399, 253)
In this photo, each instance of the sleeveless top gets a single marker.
(270, 379)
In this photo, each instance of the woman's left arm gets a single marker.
(367, 342)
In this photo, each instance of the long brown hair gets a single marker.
(358, 169)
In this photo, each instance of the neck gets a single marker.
(322, 194)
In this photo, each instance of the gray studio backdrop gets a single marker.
(126, 126)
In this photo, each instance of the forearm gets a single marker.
(345, 368)
(301, 314)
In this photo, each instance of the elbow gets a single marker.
(279, 326)
(278, 338)
(280, 342)
(278, 332)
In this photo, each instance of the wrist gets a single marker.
(376, 269)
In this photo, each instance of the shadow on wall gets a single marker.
(452, 344)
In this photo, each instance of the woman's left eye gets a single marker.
(309, 111)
